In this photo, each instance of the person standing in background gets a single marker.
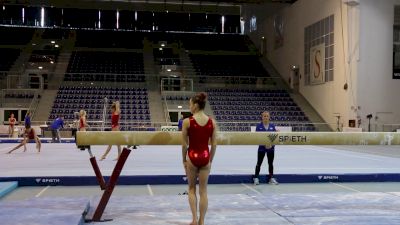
(27, 120)
(82, 120)
(180, 122)
(11, 125)
(115, 114)
(269, 150)
(55, 129)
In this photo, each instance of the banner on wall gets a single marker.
(396, 47)
(278, 31)
(396, 63)
(317, 64)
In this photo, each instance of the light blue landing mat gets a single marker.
(44, 211)
(7, 187)
(367, 208)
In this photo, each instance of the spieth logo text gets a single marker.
(294, 138)
(47, 180)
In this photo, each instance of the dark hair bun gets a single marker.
(200, 99)
(202, 96)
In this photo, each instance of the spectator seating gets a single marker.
(204, 42)
(8, 57)
(244, 106)
(134, 104)
(109, 39)
(45, 56)
(166, 56)
(15, 36)
(215, 42)
(228, 65)
(55, 33)
(105, 66)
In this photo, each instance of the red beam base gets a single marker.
(97, 171)
(109, 188)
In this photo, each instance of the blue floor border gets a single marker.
(214, 179)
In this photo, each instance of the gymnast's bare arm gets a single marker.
(213, 141)
(185, 140)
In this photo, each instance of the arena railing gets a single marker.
(168, 126)
(158, 126)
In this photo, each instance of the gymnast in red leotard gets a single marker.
(82, 120)
(115, 112)
(11, 124)
(29, 134)
(197, 132)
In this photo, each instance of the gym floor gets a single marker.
(332, 202)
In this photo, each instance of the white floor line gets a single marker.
(345, 187)
(150, 190)
(250, 188)
(42, 191)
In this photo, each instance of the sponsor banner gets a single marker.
(292, 138)
(317, 64)
(396, 74)
(396, 52)
(169, 128)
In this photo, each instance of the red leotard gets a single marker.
(12, 122)
(199, 154)
(81, 124)
(31, 134)
(114, 120)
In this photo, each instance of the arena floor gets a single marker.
(66, 160)
(331, 197)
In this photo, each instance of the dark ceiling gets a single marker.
(79, 2)
(231, 7)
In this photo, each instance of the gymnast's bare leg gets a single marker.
(23, 143)
(191, 173)
(202, 173)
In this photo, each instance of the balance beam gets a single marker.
(84, 139)
(87, 138)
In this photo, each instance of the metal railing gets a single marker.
(166, 110)
(19, 96)
(233, 125)
(34, 104)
